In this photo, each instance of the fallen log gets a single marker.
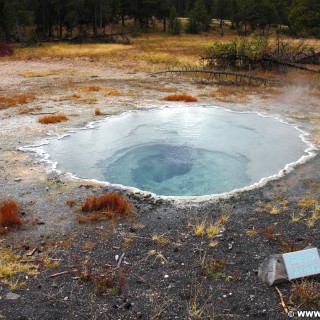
(234, 74)
(288, 64)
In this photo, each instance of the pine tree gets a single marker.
(174, 24)
(199, 19)
(304, 17)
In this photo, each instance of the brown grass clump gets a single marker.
(108, 206)
(180, 97)
(9, 217)
(37, 74)
(74, 96)
(98, 112)
(108, 201)
(7, 102)
(53, 119)
(26, 110)
(114, 93)
(306, 292)
(91, 88)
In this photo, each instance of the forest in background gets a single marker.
(28, 21)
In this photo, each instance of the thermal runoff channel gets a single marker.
(180, 151)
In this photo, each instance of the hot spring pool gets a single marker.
(179, 151)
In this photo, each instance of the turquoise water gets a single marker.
(181, 151)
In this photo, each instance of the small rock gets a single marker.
(12, 296)
(17, 179)
(272, 270)
(66, 298)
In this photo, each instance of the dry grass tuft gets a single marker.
(92, 88)
(26, 110)
(108, 201)
(307, 203)
(160, 239)
(9, 217)
(211, 229)
(98, 112)
(114, 93)
(19, 99)
(306, 292)
(108, 206)
(53, 119)
(213, 269)
(90, 100)
(13, 269)
(74, 96)
(37, 74)
(180, 97)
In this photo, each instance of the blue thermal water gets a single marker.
(181, 151)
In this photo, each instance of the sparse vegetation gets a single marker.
(9, 216)
(213, 269)
(314, 216)
(158, 256)
(74, 96)
(213, 244)
(160, 239)
(305, 293)
(19, 99)
(98, 112)
(211, 229)
(53, 119)
(37, 74)
(180, 97)
(269, 233)
(251, 232)
(110, 281)
(114, 93)
(200, 304)
(108, 206)
(92, 88)
(13, 269)
(199, 229)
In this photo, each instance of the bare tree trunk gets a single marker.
(95, 17)
(101, 16)
(18, 27)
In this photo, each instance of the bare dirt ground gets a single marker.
(166, 274)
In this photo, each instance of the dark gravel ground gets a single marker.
(164, 272)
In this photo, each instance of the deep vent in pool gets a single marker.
(179, 151)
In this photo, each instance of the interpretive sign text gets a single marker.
(302, 263)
